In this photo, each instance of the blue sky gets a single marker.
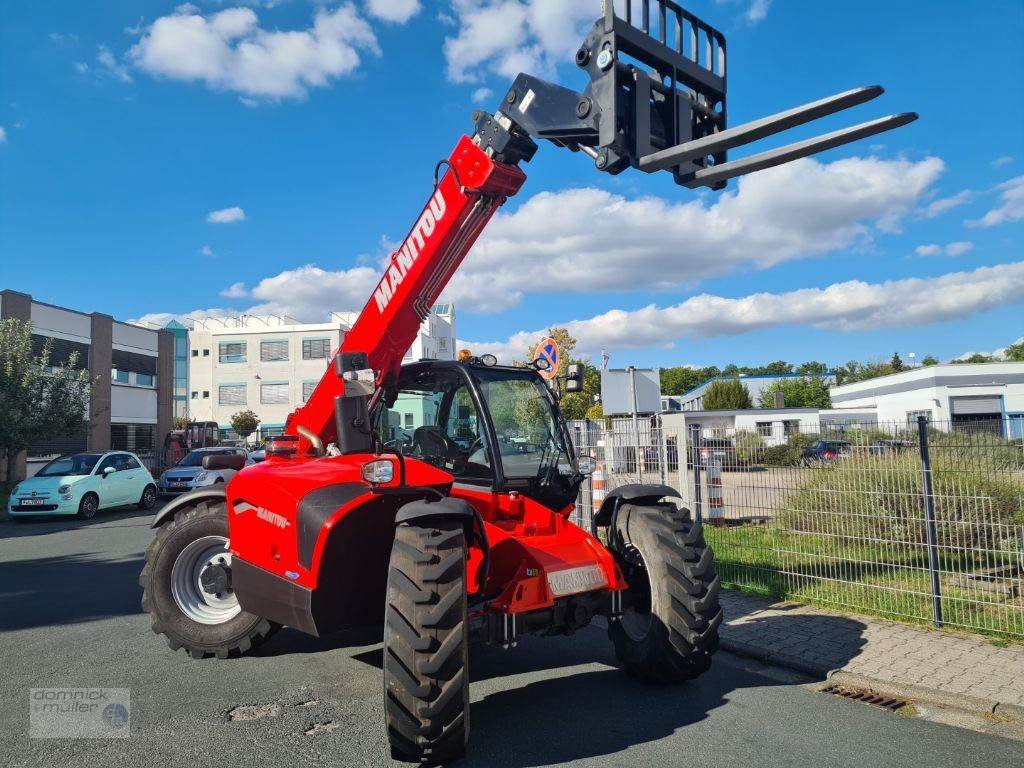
(126, 127)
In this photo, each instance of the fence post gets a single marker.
(929, 512)
(695, 443)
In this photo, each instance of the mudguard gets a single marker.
(634, 493)
(213, 493)
(424, 509)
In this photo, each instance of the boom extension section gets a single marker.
(656, 101)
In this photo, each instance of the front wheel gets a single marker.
(669, 626)
(426, 676)
(186, 586)
(148, 499)
(88, 506)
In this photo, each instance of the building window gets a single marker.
(231, 352)
(912, 417)
(206, 353)
(121, 377)
(231, 394)
(274, 351)
(195, 395)
(274, 393)
(442, 344)
(316, 349)
(206, 394)
(307, 390)
(137, 438)
(790, 427)
(764, 428)
(409, 421)
(195, 353)
(144, 379)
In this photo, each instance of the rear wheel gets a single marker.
(669, 626)
(148, 498)
(186, 586)
(426, 676)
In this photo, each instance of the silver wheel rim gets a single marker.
(187, 586)
(149, 496)
(89, 506)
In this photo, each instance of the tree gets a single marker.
(1015, 352)
(897, 362)
(245, 423)
(595, 412)
(179, 422)
(812, 368)
(929, 360)
(681, 379)
(574, 405)
(731, 394)
(38, 399)
(806, 392)
(977, 357)
(779, 367)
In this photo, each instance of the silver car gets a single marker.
(188, 474)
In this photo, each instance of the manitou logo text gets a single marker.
(402, 261)
(263, 514)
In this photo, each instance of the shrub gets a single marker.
(749, 447)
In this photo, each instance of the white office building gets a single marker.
(270, 364)
(967, 395)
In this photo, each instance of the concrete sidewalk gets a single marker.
(950, 668)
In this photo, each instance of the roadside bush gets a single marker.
(878, 499)
(749, 447)
(790, 453)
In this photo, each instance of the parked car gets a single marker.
(82, 484)
(826, 452)
(889, 446)
(188, 474)
(720, 448)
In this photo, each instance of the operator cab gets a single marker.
(490, 426)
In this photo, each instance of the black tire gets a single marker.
(148, 498)
(88, 506)
(669, 628)
(235, 636)
(426, 661)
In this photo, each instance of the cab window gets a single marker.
(434, 419)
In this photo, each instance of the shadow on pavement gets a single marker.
(66, 590)
(41, 525)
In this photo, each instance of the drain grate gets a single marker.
(866, 696)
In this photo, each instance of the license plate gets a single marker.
(573, 580)
(32, 502)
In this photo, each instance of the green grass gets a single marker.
(884, 579)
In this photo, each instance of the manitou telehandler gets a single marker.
(434, 498)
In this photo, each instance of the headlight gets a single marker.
(202, 476)
(64, 489)
(380, 471)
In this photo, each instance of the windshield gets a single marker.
(529, 440)
(79, 464)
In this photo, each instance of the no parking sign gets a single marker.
(547, 351)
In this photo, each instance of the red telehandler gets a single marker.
(434, 498)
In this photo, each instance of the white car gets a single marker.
(188, 474)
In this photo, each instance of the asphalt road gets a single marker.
(70, 616)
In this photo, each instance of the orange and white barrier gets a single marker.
(597, 485)
(716, 503)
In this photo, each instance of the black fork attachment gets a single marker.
(657, 101)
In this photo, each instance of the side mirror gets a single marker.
(108, 471)
(574, 378)
(587, 465)
(224, 461)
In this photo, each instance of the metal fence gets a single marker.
(920, 521)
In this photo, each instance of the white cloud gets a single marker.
(481, 95)
(229, 51)
(3, 135)
(848, 306)
(998, 354)
(226, 215)
(397, 11)
(163, 318)
(507, 37)
(206, 251)
(111, 65)
(942, 205)
(235, 291)
(81, 67)
(958, 248)
(310, 293)
(1011, 207)
(753, 10)
(583, 240)
(1001, 161)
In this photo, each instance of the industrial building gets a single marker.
(131, 367)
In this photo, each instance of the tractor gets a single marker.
(456, 528)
